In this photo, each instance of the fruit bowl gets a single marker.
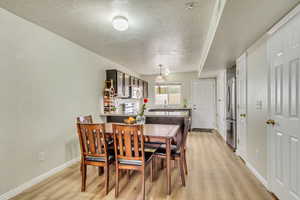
(130, 120)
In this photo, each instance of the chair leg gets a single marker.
(117, 182)
(181, 170)
(151, 169)
(143, 183)
(106, 179)
(83, 176)
(185, 163)
(162, 163)
(100, 171)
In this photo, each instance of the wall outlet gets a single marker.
(41, 156)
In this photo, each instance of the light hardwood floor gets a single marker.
(215, 173)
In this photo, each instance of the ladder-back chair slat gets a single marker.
(93, 139)
(129, 141)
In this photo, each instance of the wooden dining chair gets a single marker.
(88, 119)
(130, 152)
(178, 152)
(94, 150)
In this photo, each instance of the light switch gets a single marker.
(259, 105)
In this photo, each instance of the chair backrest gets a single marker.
(185, 131)
(85, 119)
(92, 140)
(129, 142)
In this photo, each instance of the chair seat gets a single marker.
(148, 156)
(162, 150)
(110, 142)
(98, 159)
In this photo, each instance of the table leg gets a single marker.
(168, 149)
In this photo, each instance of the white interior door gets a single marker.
(204, 103)
(284, 123)
(241, 79)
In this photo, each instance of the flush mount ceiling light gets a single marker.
(120, 23)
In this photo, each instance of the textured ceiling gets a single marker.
(242, 23)
(160, 31)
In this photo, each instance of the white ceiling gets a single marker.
(242, 23)
(160, 31)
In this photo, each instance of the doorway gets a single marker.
(204, 104)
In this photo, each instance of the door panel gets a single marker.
(204, 103)
(294, 89)
(284, 56)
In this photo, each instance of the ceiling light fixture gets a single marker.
(120, 23)
(160, 78)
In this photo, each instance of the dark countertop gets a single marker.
(169, 109)
(150, 114)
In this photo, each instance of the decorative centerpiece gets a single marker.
(141, 119)
(130, 120)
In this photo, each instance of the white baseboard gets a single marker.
(257, 174)
(36, 180)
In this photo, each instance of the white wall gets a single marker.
(184, 78)
(257, 75)
(46, 81)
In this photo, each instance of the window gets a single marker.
(168, 94)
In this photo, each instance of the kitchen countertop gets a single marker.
(149, 114)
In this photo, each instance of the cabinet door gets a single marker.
(120, 85)
(135, 89)
(145, 84)
(140, 85)
(126, 85)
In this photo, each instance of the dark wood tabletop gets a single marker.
(154, 130)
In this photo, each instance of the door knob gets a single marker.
(270, 121)
(242, 115)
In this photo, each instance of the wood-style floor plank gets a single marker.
(215, 173)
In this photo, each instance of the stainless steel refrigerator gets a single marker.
(231, 137)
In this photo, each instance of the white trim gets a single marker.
(257, 174)
(285, 20)
(14, 192)
(212, 29)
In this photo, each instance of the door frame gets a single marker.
(215, 99)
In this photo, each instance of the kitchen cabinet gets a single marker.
(134, 87)
(145, 89)
(118, 81)
(141, 89)
(126, 86)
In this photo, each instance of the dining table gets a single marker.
(163, 133)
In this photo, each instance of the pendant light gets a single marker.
(160, 78)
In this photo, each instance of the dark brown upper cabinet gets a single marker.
(145, 89)
(127, 86)
(141, 88)
(134, 87)
(118, 81)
